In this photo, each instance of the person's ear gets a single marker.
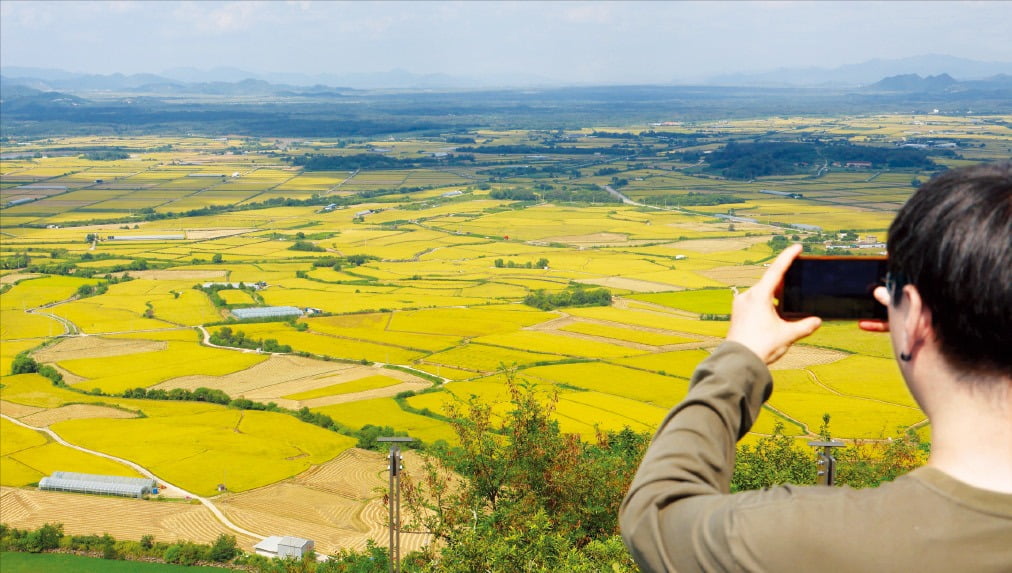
(917, 328)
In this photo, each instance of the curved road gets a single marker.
(144, 471)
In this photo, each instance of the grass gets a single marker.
(40, 562)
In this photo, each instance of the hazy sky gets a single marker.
(572, 41)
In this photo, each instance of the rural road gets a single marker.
(622, 197)
(144, 471)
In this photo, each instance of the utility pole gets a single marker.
(394, 495)
(826, 462)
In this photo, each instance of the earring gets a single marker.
(905, 357)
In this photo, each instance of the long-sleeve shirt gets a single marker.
(680, 516)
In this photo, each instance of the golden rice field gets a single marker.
(139, 370)
(358, 385)
(557, 344)
(430, 297)
(386, 412)
(658, 390)
(243, 449)
(639, 336)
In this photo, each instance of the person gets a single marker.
(949, 301)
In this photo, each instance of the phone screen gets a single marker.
(830, 287)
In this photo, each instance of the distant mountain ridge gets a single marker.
(867, 73)
(47, 78)
(918, 74)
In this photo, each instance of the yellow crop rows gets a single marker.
(359, 385)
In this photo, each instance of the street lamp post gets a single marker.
(395, 468)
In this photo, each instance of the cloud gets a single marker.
(218, 17)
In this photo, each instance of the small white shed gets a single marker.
(284, 546)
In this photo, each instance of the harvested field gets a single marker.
(284, 375)
(717, 245)
(593, 240)
(120, 517)
(180, 275)
(799, 357)
(17, 410)
(337, 504)
(278, 370)
(631, 284)
(364, 395)
(15, 277)
(74, 412)
(77, 347)
(735, 275)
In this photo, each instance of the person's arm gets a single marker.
(690, 461)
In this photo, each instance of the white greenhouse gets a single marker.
(266, 312)
(98, 484)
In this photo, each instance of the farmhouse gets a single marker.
(99, 484)
(284, 547)
(266, 312)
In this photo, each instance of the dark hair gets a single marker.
(953, 241)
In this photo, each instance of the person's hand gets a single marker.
(754, 319)
(881, 294)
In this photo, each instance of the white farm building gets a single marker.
(287, 546)
(98, 484)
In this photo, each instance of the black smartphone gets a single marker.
(833, 288)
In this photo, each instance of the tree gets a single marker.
(223, 549)
(773, 460)
(216, 258)
(518, 494)
(24, 364)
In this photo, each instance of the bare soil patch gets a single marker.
(76, 347)
(17, 410)
(634, 285)
(798, 357)
(122, 518)
(74, 412)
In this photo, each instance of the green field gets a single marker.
(49, 562)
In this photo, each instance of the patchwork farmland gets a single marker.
(410, 284)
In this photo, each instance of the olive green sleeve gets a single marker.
(691, 458)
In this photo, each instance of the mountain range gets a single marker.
(234, 81)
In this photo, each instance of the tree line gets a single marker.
(750, 160)
(576, 296)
